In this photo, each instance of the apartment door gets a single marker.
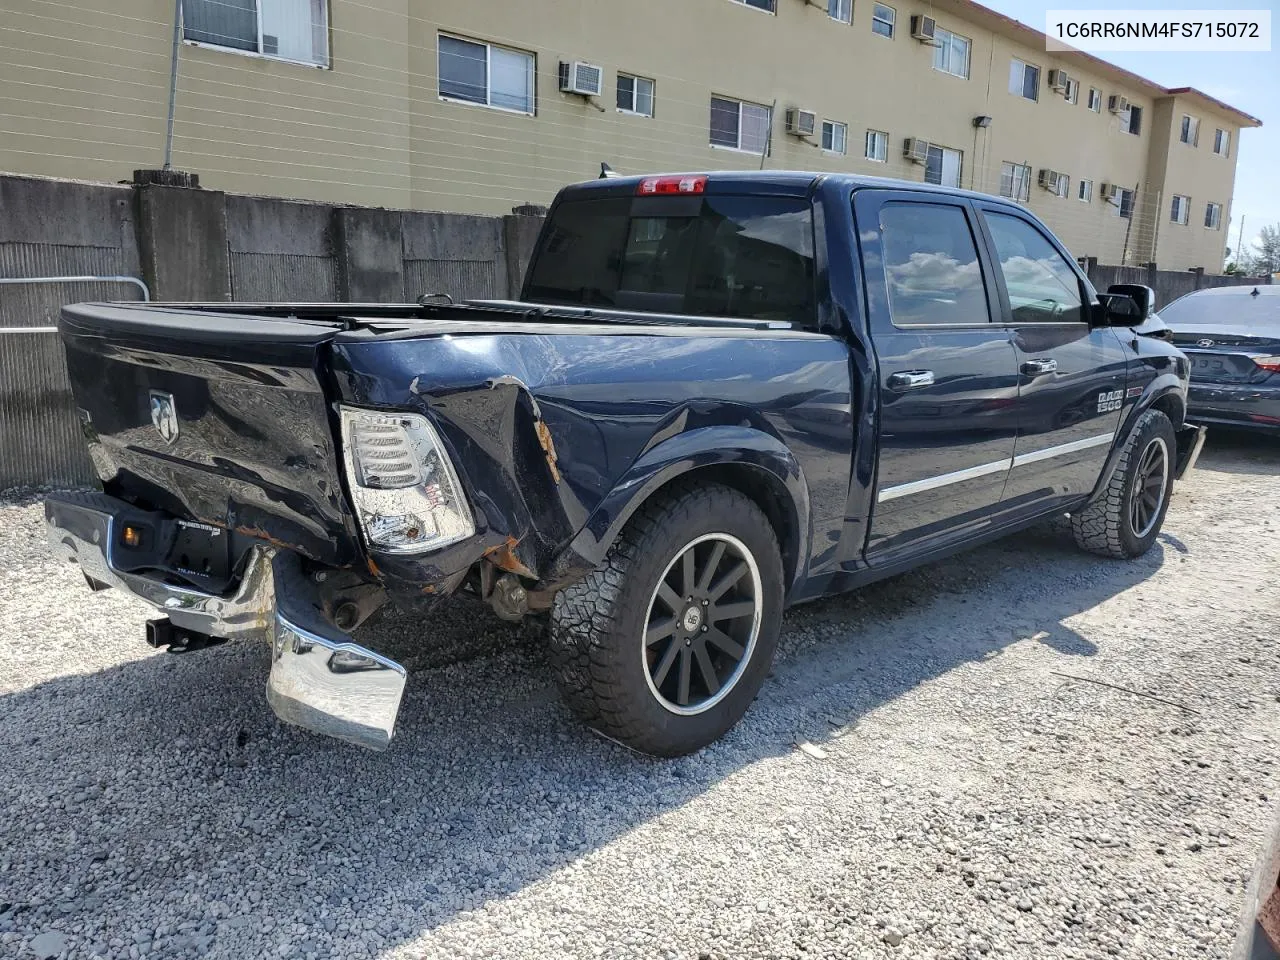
(943, 166)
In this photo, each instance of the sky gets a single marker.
(1247, 81)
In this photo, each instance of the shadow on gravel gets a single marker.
(1241, 451)
(166, 788)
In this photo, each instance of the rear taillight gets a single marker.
(1268, 363)
(665, 186)
(406, 493)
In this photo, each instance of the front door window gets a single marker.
(1042, 287)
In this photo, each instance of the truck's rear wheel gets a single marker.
(1126, 519)
(665, 646)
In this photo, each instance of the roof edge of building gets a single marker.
(1003, 23)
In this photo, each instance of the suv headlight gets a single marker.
(407, 496)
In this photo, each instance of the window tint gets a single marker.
(1041, 285)
(931, 265)
(748, 257)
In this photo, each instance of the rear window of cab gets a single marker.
(749, 257)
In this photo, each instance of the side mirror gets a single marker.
(1144, 297)
(1117, 310)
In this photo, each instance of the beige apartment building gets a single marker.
(459, 105)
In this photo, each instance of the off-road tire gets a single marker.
(1103, 527)
(597, 625)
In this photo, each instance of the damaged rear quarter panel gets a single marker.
(543, 422)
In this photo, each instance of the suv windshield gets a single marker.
(748, 257)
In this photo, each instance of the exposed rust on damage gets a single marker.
(503, 556)
(539, 425)
(548, 447)
(259, 534)
(373, 567)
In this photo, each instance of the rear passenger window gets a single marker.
(722, 256)
(931, 265)
(1042, 287)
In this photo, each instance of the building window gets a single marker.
(485, 74)
(1085, 191)
(1221, 142)
(835, 136)
(841, 10)
(1124, 208)
(740, 126)
(942, 166)
(1131, 120)
(1095, 99)
(1073, 91)
(1190, 130)
(1024, 80)
(767, 5)
(1063, 189)
(295, 30)
(1015, 181)
(877, 146)
(951, 53)
(883, 17)
(1213, 216)
(635, 95)
(1178, 213)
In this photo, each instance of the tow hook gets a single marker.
(162, 633)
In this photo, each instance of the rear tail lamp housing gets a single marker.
(1271, 364)
(404, 488)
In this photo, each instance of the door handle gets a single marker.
(910, 379)
(1039, 366)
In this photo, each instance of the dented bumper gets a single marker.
(320, 678)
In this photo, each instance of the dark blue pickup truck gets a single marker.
(719, 395)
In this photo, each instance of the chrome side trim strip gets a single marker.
(1062, 449)
(932, 483)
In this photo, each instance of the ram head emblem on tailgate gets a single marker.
(164, 415)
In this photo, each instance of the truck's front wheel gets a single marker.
(1126, 518)
(665, 646)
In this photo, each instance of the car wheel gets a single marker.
(664, 647)
(1126, 518)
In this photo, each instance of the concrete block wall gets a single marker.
(51, 228)
(1169, 285)
(204, 245)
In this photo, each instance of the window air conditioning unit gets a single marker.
(584, 79)
(801, 123)
(1058, 80)
(1117, 103)
(915, 149)
(1050, 180)
(1110, 193)
(923, 28)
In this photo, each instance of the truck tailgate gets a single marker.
(214, 417)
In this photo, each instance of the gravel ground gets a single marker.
(918, 778)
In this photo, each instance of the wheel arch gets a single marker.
(1167, 394)
(745, 459)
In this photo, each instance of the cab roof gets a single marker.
(785, 183)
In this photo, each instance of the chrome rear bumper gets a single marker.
(320, 679)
